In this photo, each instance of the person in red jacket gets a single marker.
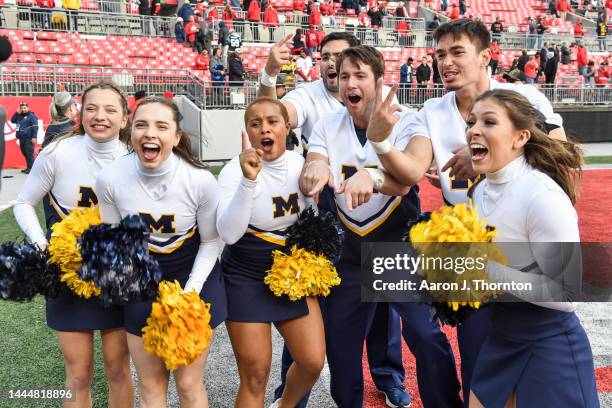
(531, 70)
(254, 17)
(578, 30)
(602, 76)
(495, 55)
(42, 17)
(327, 9)
(582, 59)
(314, 18)
(454, 13)
(299, 7)
(228, 16)
(191, 32)
(362, 23)
(202, 61)
(312, 40)
(562, 7)
(271, 20)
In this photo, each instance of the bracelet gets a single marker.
(378, 177)
(268, 80)
(383, 147)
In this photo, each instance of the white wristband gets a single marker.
(267, 80)
(383, 147)
(378, 177)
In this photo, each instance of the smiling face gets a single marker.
(102, 114)
(329, 55)
(154, 134)
(267, 129)
(459, 62)
(357, 88)
(492, 138)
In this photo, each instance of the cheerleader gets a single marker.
(541, 347)
(260, 198)
(177, 197)
(64, 173)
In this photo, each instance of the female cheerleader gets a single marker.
(538, 354)
(66, 170)
(177, 197)
(260, 198)
(63, 112)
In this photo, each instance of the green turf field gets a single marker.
(598, 160)
(31, 357)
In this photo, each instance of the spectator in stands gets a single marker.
(523, 59)
(223, 41)
(71, 7)
(423, 74)
(312, 40)
(271, 21)
(578, 30)
(602, 32)
(435, 72)
(495, 56)
(304, 68)
(462, 7)
(298, 41)
(515, 76)
(62, 111)
(376, 17)
(185, 11)
(191, 32)
(550, 69)
(26, 131)
(602, 76)
(42, 17)
(403, 31)
(362, 23)
(328, 10)
(531, 70)
(211, 13)
(179, 31)
(406, 79)
(589, 73)
(299, 7)
(543, 58)
(236, 70)
(496, 29)
(582, 59)
(144, 9)
(400, 11)
(566, 55)
(531, 35)
(254, 16)
(217, 75)
(289, 72)
(228, 16)
(433, 24)
(540, 30)
(202, 61)
(205, 34)
(454, 12)
(314, 16)
(563, 7)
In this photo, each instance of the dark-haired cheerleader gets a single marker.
(177, 198)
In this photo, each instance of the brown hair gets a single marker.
(183, 149)
(476, 31)
(267, 99)
(366, 55)
(560, 160)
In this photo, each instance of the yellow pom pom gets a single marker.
(301, 273)
(64, 250)
(178, 329)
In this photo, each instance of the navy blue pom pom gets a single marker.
(319, 233)
(21, 267)
(117, 259)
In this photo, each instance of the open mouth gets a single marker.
(354, 99)
(99, 127)
(332, 75)
(150, 151)
(267, 144)
(478, 151)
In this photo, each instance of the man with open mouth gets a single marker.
(306, 105)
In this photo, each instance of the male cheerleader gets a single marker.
(340, 155)
(438, 130)
(306, 105)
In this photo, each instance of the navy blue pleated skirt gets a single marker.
(73, 313)
(212, 292)
(542, 354)
(249, 299)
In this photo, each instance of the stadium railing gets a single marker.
(107, 23)
(20, 79)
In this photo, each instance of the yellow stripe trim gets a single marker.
(56, 207)
(376, 225)
(268, 238)
(175, 245)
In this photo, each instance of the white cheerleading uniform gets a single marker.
(543, 349)
(440, 121)
(64, 174)
(252, 219)
(383, 217)
(178, 202)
